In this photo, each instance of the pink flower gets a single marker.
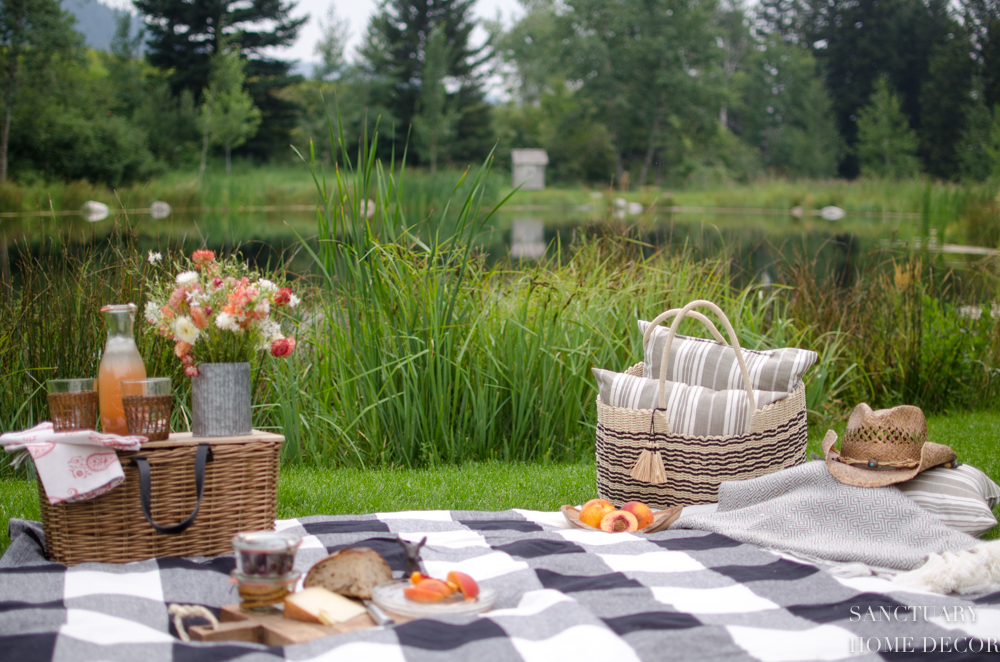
(181, 349)
(283, 347)
(168, 312)
(202, 258)
(191, 371)
(283, 296)
(199, 317)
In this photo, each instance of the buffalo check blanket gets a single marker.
(565, 594)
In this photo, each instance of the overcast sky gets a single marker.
(357, 12)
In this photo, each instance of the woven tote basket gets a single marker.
(239, 480)
(640, 459)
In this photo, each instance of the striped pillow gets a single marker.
(712, 365)
(691, 410)
(963, 498)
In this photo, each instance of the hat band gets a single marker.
(874, 463)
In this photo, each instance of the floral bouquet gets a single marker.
(219, 312)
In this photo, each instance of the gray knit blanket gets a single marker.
(806, 512)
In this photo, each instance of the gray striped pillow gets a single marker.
(691, 410)
(712, 365)
(963, 498)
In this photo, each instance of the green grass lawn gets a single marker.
(496, 486)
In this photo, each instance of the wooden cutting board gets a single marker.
(273, 629)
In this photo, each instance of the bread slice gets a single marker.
(352, 571)
(318, 605)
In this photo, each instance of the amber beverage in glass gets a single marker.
(120, 361)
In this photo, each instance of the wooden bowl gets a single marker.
(661, 519)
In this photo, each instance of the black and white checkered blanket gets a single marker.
(565, 594)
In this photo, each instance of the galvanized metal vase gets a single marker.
(220, 400)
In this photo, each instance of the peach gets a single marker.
(594, 510)
(418, 577)
(618, 521)
(459, 581)
(641, 511)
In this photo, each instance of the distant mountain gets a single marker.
(97, 21)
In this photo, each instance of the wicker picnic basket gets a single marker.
(184, 496)
(639, 458)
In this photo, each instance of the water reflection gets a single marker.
(527, 239)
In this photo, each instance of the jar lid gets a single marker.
(119, 307)
(266, 541)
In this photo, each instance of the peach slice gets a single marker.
(641, 511)
(418, 594)
(460, 581)
(418, 577)
(594, 510)
(428, 590)
(618, 521)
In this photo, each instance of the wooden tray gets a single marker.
(274, 629)
(661, 519)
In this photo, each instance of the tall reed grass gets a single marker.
(422, 353)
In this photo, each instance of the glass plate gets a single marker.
(389, 596)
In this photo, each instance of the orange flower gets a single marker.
(181, 349)
(203, 258)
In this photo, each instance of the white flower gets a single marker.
(270, 330)
(153, 314)
(187, 277)
(154, 257)
(185, 330)
(226, 322)
(266, 286)
(263, 308)
(293, 301)
(194, 298)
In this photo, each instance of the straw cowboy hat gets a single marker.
(883, 447)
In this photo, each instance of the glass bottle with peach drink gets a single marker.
(120, 361)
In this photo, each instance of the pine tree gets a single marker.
(887, 146)
(434, 122)
(975, 142)
(334, 32)
(184, 35)
(944, 102)
(394, 55)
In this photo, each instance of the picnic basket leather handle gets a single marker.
(680, 315)
(202, 456)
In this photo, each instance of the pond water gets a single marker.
(753, 243)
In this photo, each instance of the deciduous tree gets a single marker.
(228, 116)
(32, 33)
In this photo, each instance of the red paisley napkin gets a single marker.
(73, 466)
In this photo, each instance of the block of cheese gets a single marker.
(320, 605)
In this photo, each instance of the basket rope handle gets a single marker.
(683, 312)
(694, 314)
(201, 457)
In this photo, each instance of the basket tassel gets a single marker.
(649, 468)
